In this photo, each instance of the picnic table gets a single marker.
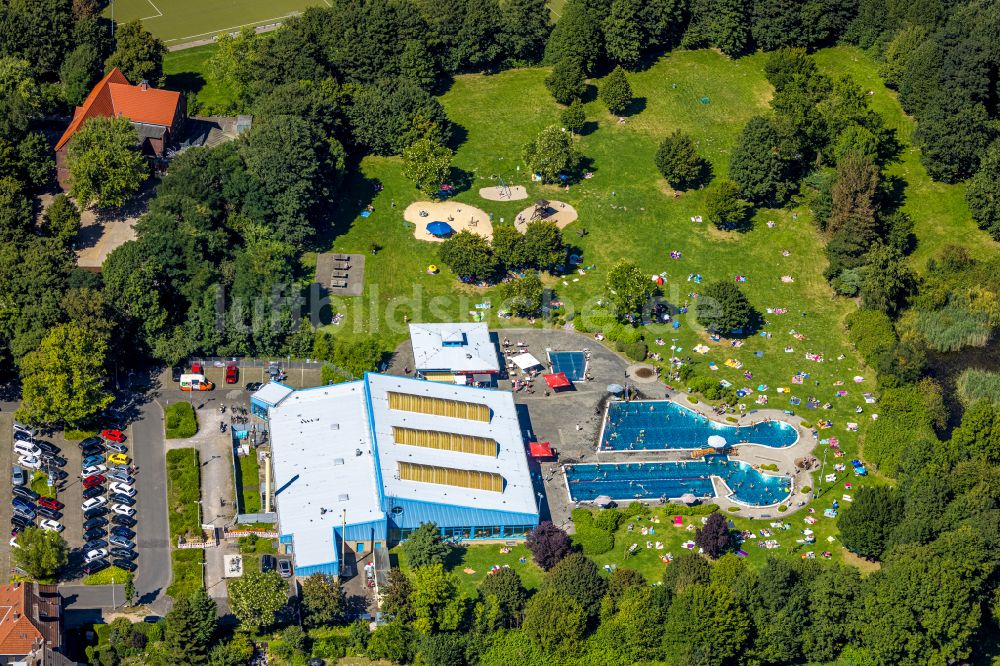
(338, 284)
(343, 275)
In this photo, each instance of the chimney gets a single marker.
(144, 84)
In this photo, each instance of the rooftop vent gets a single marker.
(334, 426)
(338, 461)
(343, 498)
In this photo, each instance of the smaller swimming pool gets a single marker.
(662, 424)
(573, 363)
(625, 482)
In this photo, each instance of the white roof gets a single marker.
(525, 361)
(511, 463)
(272, 393)
(455, 347)
(316, 435)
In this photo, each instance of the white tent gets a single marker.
(717, 442)
(526, 361)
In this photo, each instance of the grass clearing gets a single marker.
(479, 559)
(109, 576)
(187, 71)
(187, 572)
(40, 484)
(974, 384)
(248, 482)
(183, 492)
(78, 435)
(180, 421)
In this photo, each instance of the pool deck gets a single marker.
(572, 420)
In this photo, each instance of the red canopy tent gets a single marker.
(557, 380)
(541, 450)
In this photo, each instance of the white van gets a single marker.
(26, 449)
(27, 430)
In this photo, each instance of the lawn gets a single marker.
(111, 575)
(248, 483)
(183, 492)
(479, 559)
(180, 21)
(179, 421)
(187, 572)
(40, 484)
(187, 71)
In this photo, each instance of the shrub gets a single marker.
(807, 489)
(588, 536)
(609, 520)
(806, 424)
(635, 509)
(180, 420)
(636, 351)
(733, 509)
(679, 162)
(782, 508)
(871, 333)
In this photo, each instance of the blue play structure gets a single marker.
(574, 364)
(625, 482)
(646, 425)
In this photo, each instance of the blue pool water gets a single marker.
(642, 425)
(625, 482)
(574, 364)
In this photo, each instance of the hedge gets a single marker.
(180, 421)
(589, 537)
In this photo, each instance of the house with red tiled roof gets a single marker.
(30, 624)
(156, 114)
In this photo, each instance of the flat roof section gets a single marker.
(463, 347)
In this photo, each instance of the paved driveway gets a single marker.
(149, 452)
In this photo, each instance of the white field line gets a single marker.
(231, 29)
(159, 13)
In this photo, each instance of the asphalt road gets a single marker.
(149, 452)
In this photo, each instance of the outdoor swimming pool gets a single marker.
(573, 363)
(661, 424)
(625, 482)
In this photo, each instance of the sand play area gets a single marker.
(459, 215)
(516, 193)
(556, 211)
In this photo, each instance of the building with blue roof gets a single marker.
(358, 466)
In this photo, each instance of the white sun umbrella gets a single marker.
(717, 442)
(688, 498)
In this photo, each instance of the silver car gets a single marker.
(17, 476)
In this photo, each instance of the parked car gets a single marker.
(30, 462)
(96, 480)
(253, 387)
(127, 565)
(23, 503)
(25, 492)
(50, 503)
(95, 554)
(125, 521)
(48, 513)
(123, 510)
(285, 568)
(122, 488)
(121, 531)
(121, 475)
(94, 523)
(267, 563)
(118, 459)
(122, 542)
(176, 372)
(96, 512)
(17, 476)
(95, 543)
(113, 435)
(21, 522)
(51, 525)
(93, 503)
(124, 553)
(90, 441)
(95, 533)
(92, 451)
(232, 373)
(90, 461)
(94, 469)
(94, 567)
(93, 491)
(21, 436)
(27, 449)
(197, 368)
(118, 447)
(26, 429)
(51, 459)
(47, 447)
(119, 498)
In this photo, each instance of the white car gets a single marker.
(31, 462)
(123, 510)
(93, 503)
(123, 488)
(27, 449)
(51, 525)
(96, 554)
(94, 470)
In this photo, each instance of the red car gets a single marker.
(92, 481)
(232, 374)
(113, 435)
(53, 504)
(196, 368)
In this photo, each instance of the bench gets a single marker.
(338, 284)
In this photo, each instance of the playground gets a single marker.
(504, 192)
(455, 215)
(558, 212)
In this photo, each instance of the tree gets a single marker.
(548, 544)
(525, 28)
(40, 553)
(322, 600)
(437, 606)
(20, 98)
(726, 209)
(236, 652)
(615, 91)
(63, 381)
(574, 118)
(983, 192)
(396, 596)
(392, 642)
(392, 114)
(731, 26)
(256, 598)
(554, 621)
(543, 245)
(130, 592)
(888, 281)
(576, 36)
(623, 35)
(427, 164)
(190, 627)
(424, 546)
(469, 255)
(854, 192)
(705, 626)
(138, 54)
(757, 165)
(776, 23)
(61, 220)
(105, 164)
(865, 525)
(522, 296)
(77, 73)
(688, 569)
(723, 308)
(629, 289)
(478, 46)
(679, 162)
(951, 136)
(505, 598)
(508, 246)
(566, 81)
(552, 154)
(577, 577)
(714, 538)
(15, 209)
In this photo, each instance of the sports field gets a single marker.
(181, 21)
